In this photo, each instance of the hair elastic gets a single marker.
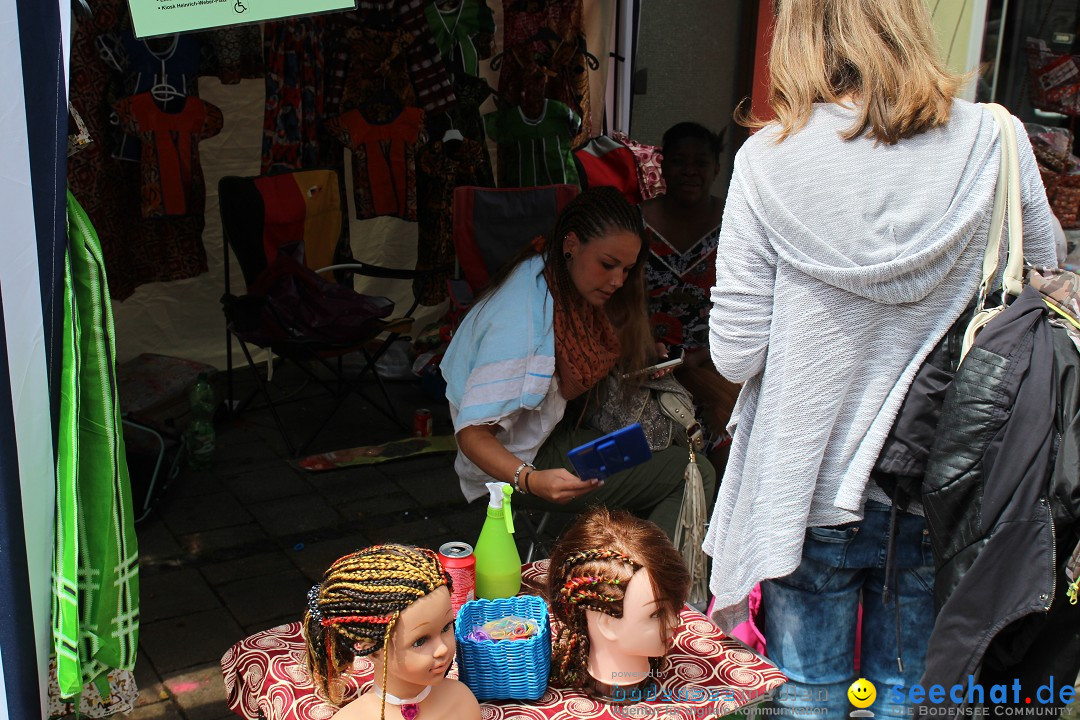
(313, 603)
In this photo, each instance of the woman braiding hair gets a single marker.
(561, 316)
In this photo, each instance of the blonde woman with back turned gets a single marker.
(852, 240)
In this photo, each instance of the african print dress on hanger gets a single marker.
(535, 151)
(545, 57)
(441, 167)
(463, 33)
(172, 179)
(384, 161)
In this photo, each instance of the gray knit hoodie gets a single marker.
(840, 266)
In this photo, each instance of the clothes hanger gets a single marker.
(163, 90)
(452, 133)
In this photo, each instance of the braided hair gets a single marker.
(352, 612)
(598, 211)
(591, 566)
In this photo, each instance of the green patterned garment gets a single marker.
(96, 563)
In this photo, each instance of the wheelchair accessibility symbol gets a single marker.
(239, 7)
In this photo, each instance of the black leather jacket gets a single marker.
(1002, 468)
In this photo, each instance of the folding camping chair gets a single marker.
(299, 214)
(490, 227)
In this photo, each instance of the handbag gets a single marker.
(665, 410)
(662, 405)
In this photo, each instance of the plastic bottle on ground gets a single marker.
(199, 436)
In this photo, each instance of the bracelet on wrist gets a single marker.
(525, 481)
(517, 475)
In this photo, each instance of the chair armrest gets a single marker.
(369, 270)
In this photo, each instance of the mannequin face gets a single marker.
(422, 645)
(642, 631)
(600, 267)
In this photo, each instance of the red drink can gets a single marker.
(421, 423)
(460, 563)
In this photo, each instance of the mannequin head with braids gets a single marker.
(595, 255)
(616, 585)
(392, 603)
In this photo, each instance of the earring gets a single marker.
(567, 255)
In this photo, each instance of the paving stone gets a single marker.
(269, 483)
(272, 623)
(164, 710)
(420, 466)
(465, 524)
(156, 542)
(170, 593)
(189, 640)
(200, 692)
(263, 563)
(190, 483)
(151, 689)
(294, 516)
(316, 557)
(437, 486)
(387, 504)
(352, 484)
(206, 512)
(257, 599)
(238, 459)
(426, 533)
(205, 544)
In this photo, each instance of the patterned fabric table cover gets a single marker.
(707, 675)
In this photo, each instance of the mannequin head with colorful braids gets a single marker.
(392, 603)
(616, 585)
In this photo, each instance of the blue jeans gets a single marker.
(811, 615)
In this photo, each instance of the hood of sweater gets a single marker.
(888, 240)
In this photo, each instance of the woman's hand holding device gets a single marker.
(667, 363)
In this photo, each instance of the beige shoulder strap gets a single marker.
(1006, 207)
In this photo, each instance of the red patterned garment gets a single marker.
(545, 57)
(384, 161)
(172, 179)
(648, 159)
(427, 72)
(137, 250)
(706, 675)
(377, 59)
(296, 55)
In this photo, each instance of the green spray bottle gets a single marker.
(498, 564)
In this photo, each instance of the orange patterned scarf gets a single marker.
(586, 346)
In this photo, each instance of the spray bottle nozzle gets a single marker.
(499, 499)
(507, 492)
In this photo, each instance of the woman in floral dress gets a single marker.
(682, 227)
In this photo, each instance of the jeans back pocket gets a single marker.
(824, 551)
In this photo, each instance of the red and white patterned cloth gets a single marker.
(706, 675)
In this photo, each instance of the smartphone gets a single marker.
(674, 359)
(607, 455)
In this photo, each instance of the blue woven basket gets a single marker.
(504, 669)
